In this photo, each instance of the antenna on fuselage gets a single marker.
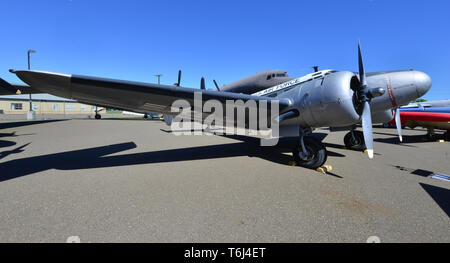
(316, 68)
(202, 83)
(217, 86)
(179, 79)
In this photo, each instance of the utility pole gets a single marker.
(159, 77)
(30, 114)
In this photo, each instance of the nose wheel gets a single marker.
(311, 155)
(355, 141)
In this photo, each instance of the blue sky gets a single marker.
(225, 40)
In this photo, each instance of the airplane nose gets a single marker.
(423, 82)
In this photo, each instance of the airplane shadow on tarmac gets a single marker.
(406, 139)
(96, 157)
(440, 195)
(13, 124)
(4, 143)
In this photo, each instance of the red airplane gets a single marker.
(431, 118)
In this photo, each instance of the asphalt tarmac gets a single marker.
(134, 181)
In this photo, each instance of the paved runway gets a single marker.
(130, 181)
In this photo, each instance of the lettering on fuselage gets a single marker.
(293, 82)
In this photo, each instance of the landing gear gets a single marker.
(145, 116)
(309, 153)
(97, 116)
(431, 135)
(354, 140)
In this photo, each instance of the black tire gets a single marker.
(358, 144)
(430, 137)
(317, 153)
(98, 116)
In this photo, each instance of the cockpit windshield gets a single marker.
(278, 75)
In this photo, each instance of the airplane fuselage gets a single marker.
(401, 87)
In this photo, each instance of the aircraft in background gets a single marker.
(426, 104)
(327, 98)
(424, 114)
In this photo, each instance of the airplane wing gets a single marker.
(132, 96)
(15, 89)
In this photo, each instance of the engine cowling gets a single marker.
(382, 116)
(329, 101)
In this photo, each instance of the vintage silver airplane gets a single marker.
(327, 98)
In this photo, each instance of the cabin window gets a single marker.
(269, 77)
(281, 75)
(54, 107)
(16, 106)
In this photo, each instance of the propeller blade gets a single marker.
(217, 86)
(398, 124)
(179, 78)
(362, 74)
(202, 83)
(367, 128)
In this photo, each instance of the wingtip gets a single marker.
(12, 70)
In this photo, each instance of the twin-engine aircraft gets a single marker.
(327, 98)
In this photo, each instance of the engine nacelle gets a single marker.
(382, 116)
(328, 101)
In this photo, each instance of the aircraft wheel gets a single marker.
(98, 116)
(317, 154)
(356, 144)
(430, 137)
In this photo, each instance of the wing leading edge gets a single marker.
(129, 95)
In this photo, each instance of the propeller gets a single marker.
(217, 86)
(202, 83)
(364, 96)
(398, 124)
(179, 78)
